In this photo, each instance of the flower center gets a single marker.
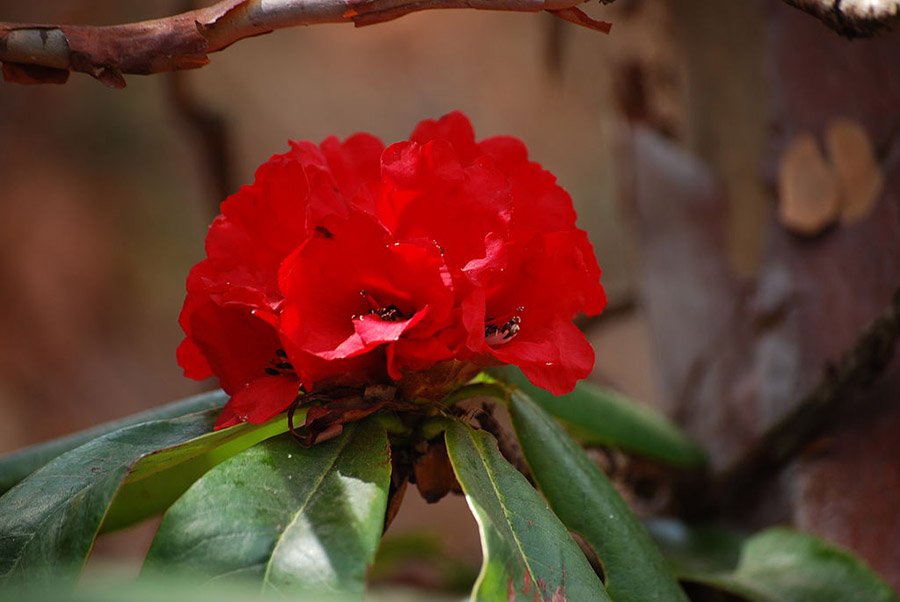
(387, 313)
(279, 366)
(391, 313)
(495, 334)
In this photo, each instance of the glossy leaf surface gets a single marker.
(159, 478)
(285, 517)
(588, 504)
(528, 554)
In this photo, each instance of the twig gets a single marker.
(33, 53)
(211, 137)
(46, 53)
(853, 18)
(209, 128)
(857, 368)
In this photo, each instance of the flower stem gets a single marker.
(495, 390)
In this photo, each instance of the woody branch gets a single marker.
(36, 53)
(33, 53)
(853, 18)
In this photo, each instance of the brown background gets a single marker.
(668, 134)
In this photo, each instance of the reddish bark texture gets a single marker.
(44, 53)
(836, 285)
(736, 356)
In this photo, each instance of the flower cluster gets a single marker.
(349, 263)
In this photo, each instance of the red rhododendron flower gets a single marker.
(350, 263)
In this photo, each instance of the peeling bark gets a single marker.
(35, 53)
(787, 376)
(853, 18)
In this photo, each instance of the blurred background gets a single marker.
(708, 147)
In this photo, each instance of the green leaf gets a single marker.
(588, 504)
(599, 416)
(16, 466)
(159, 478)
(287, 517)
(48, 522)
(528, 554)
(783, 565)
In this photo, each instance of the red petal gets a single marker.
(237, 345)
(192, 361)
(374, 331)
(226, 419)
(356, 167)
(507, 151)
(431, 198)
(411, 355)
(261, 224)
(454, 128)
(322, 282)
(325, 314)
(555, 359)
(260, 400)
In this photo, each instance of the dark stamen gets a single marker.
(371, 300)
(272, 371)
(325, 232)
(280, 353)
(388, 313)
(494, 334)
(391, 313)
(284, 366)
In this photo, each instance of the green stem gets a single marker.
(494, 390)
(392, 423)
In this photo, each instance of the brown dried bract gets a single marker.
(328, 411)
(434, 474)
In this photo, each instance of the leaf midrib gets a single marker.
(312, 493)
(506, 515)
